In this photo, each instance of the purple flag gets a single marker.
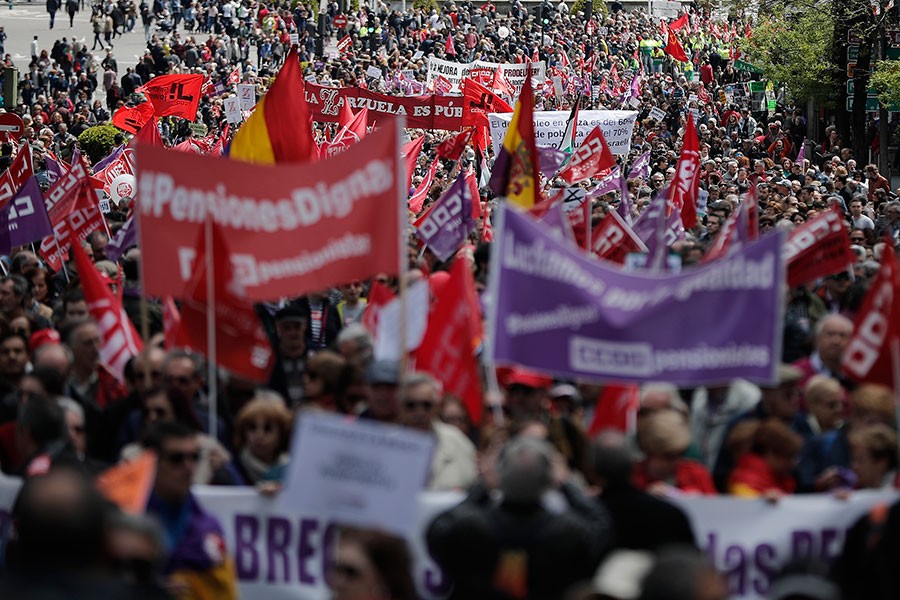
(24, 219)
(636, 86)
(550, 160)
(641, 166)
(608, 184)
(123, 240)
(105, 162)
(54, 169)
(801, 156)
(598, 323)
(557, 223)
(445, 227)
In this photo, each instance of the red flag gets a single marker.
(379, 296)
(685, 187)
(345, 44)
(500, 85)
(472, 182)
(613, 239)
(452, 148)
(149, 134)
(219, 147)
(15, 176)
(417, 200)
(730, 238)
(411, 151)
(353, 131)
(72, 204)
(616, 409)
(454, 329)
(235, 76)
(751, 205)
(174, 95)
(487, 232)
(242, 345)
(442, 86)
(120, 342)
(478, 101)
(874, 348)
(172, 324)
(675, 49)
(679, 22)
(345, 116)
(133, 118)
(818, 248)
(592, 157)
(449, 48)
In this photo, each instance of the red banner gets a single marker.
(174, 95)
(123, 165)
(421, 112)
(818, 248)
(452, 148)
(685, 187)
(874, 348)
(291, 229)
(613, 239)
(72, 204)
(14, 177)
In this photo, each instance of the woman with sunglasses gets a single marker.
(263, 433)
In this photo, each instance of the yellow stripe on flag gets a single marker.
(251, 142)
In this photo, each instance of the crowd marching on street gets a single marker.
(619, 288)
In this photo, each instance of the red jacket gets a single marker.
(691, 477)
(753, 474)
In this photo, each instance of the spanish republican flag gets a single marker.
(515, 174)
(280, 128)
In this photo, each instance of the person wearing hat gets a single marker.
(290, 364)
(383, 378)
(781, 401)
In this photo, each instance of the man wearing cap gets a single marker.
(781, 401)
(287, 375)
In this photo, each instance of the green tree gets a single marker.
(795, 50)
(98, 141)
(886, 81)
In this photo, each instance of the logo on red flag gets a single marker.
(133, 118)
(818, 248)
(685, 186)
(174, 95)
(592, 158)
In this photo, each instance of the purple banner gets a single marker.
(123, 240)
(24, 219)
(445, 227)
(557, 223)
(704, 326)
(106, 161)
(550, 160)
(641, 166)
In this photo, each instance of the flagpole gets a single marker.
(490, 371)
(144, 307)
(212, 379)
(402, 261)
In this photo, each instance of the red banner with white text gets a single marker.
(291, 229)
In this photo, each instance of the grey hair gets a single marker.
(70, 406)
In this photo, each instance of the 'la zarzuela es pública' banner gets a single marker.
(291, 229)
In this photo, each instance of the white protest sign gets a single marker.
(232, 109)
(514, 74)
(657, 114)
(665, 8)
(373, 71)
(389, 333)
(549, 127)
(294, 39)
(246, 95)
(417, 55)
(602, 31)
(357, 472)
(557, 85)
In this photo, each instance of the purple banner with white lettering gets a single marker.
(703, 326)
(24, 219)
(445, 227)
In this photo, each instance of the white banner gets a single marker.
(232, 109)
(550, 125)
(279, 554)
(247, 95)
(514, 73)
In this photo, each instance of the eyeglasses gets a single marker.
(179, 458)
(858, 240)
(412, 405)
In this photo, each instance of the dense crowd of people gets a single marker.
(64, 416)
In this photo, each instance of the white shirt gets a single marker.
(862, 222)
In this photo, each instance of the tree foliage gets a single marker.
(886, 81)
(795, 50)
(599, 7)
(98, 141)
